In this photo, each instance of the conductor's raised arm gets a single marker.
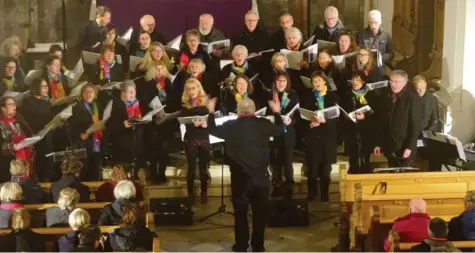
(278, 127)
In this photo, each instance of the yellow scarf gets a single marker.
(239, 97)
(296, 48)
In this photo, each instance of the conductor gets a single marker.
(247, 140)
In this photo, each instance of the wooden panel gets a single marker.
(436, 55)
(298, 9)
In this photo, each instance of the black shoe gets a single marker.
(259, 249)
(204, 196)
(277, 192)
(235, 248)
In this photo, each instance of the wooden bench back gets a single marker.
(396, 245)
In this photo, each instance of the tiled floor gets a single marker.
(216, 234)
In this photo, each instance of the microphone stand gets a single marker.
(359, 159)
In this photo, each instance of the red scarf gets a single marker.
(184, 60)
(24, 153)
(246, 115)
(57, 88)
(161, 83)
(10, 206)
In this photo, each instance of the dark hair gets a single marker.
(102, 10)
(438, 228)
(55, 48)
(143, 32)
(353, 47)
(109, 27)
(89, 235)
(192, 32)
(284, 74)
(8, 60)
(250, 87)
(49, 61)
(35, 88)
(105, 48)
(358, 75)
(4, 99)
(321, 74)
(129, 215)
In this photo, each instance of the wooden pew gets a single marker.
(396, 246)
(360, 192)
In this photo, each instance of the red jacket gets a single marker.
(411, 228)
(105, 193)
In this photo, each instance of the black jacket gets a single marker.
(147, 91)
(119, 50)
(68, 241)
(277, 40)
(18, 87)
(429, 245)
(292, 100)
(116, 73)
(130, 238)
(73, 182)
(321, 32)
(28, 241)
(155, 36)
(37, 113)
(32, 192)
(214, 35)
(247, 140)
(90, 35)
(381, 41)
(399, 121)
(55, 217)
(192, 132)
(112, 213)
(81, 120)
(255, 41)
(430, 113)
(230, 103)
(250, 72)
(210, 64)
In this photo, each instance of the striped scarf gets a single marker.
(360, 94)
(94, 111)
(56, 84)
(320, 96)
(105, 68)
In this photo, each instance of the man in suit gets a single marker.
(247, 141)
(93, 33)
(400, 117)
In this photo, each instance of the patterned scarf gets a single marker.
(284, 102)
(97, 135)
(105, 68)
(193, 102)
(239, 97)
(360, 94)
(296, 48)
(320, 96)
(17, 136)
(186, 57)
(45, 98)
(10, 82)
(133, 108)
(162, 93)
(56, 84)
(240, 70)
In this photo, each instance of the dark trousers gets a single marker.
(362, 166)
(244, 192)
(316, 168)
(44, 166)
(395, 158)
(282, 150)
(201, 152)
(158, 142)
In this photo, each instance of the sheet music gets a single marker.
(377, 85)
(28, 142)
(352, 115)
(155, 103)
(332, 84)
(107, 111)
(66, 112)
(293, 58)
(93, 10)
(306, 114)
(261, 53)
(90, 58)
(232, 76)
(118, 58)
(253, 78)
(32, 75)
(76, 91)
(125, 38)
(134, 61)
(261, 112)
(38, 65)
(43, 47)
(63, 100)
(189, 120)
(164, 117)
(148, 117)
(19, 97)
(329, 113)
(219, 45)
(323, 44)
(175, 43)
(291, 112)
(379, 57)
(219, 121)
(75, 74)
(173, 77)
(310, 53)
(447, 138)
(224, 63)
(111, 86)
(105, 117)
(309, 41)
(306, 82)
(264, 87)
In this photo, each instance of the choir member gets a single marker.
(124, 194)
(320, 138)
(241, 88)
(374, 37)
(155, 53)
(12, 128)
(192, 49)
(105, 192)
(196, 138)
(110, 38)
(294, 42)
(86, 112)
(71, 168)
(32, 192)
(147, 23)
(279, 63)
(143, 43)
(277, 40)
(37, 112)
(400, 118)
(345, 44)
(198, 70)
(359, 139)
(430, 114)
(247, 141)
(11, 48)
(57, 50)
(365, 64)
(240, 65)
(9, 82)
(11, 195)
(57, 82)
(253, 37)
(330, 29)
(156, 83)
(25, 239)
(282, 148)
(91, 36)
(57, 216)
(78, 219)
(126, 137)
(107, 68)
(209, 33)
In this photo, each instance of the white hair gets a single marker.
(207, 15)
(79, 218)
(376, 15)
(246, 106)
(251, 12)
(240, 47)
(125, 189)
(331, 9)
(295, 31)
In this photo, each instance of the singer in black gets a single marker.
(282, 148)
(86, 112)
(320, 138)
(400, 118)
(247, 141)
(359, 129)
(240, 88)
(240, 65)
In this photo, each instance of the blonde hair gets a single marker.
(196, 61)
(117, 174)
(11, 192)
(19, 167)
(68, 198)
(279, 54)
(8, 43)
(470, 200)
(185, 98)
(150, 74)
(79, 218)
(20, 219)
(147, 60)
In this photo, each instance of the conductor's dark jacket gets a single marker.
(247, 141)
(400, 121)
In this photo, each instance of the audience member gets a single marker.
(32, 192)
(437, 241)
(10, 197)
(78, 220)
(25, 239)
(462, 227)
(124, 193)
(89, 239)
(105, 192)
(71, 168)
(58, 216)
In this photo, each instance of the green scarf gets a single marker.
(360, 95)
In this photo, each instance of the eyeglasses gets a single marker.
(9, 68)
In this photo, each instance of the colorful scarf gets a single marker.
(10, 82)
(105, 68)
(360, 95)
(162, 93)
(45, 98)
(193, 102)
(56, 85)
(133, 108)
(185, 58)
(320, 96)
(97, 135)
(140, 53)
(296, 48)
(240, 70)
(24, 153)
(283, 102)
(239, 97)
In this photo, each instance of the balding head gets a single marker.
(147, 22)
(246, 106)
(417, 205)
(206, 23)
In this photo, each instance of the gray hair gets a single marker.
(246, 106)
(207, 15)
(125, 189)
(240, 47)
(79, 218)
(331, 9)
(401, 73)
(295, 31)
(251, 12)
(470, 200)
(376, 15)
(126, 84)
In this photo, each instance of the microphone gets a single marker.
(223, 86)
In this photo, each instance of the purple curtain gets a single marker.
(174, 17)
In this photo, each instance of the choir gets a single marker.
(116, 120)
